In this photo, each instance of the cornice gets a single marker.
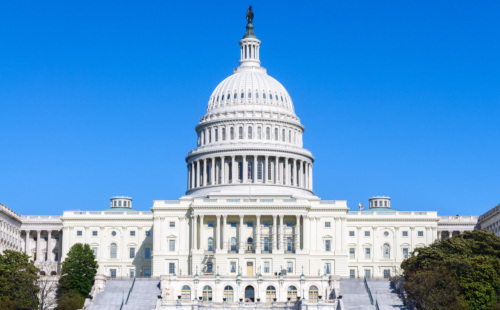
(247, 148)
(236, 119)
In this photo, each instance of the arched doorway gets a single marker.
(249, 293)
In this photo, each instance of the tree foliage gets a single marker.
(18, 281)
(462, 272)
(78, 273)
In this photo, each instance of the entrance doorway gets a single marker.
(249, 268)
(249, 293)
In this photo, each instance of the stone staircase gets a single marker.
(354, 295)
(143, 297)
(383, 292)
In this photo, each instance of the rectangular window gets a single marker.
(266, 267)
(352, 273)
(132, 233)
(94, 233)
(233, 266)
(172, 224)
(132, 273)
(56, 257)
(405, 252)
(240, 170)
(328, 268)
(351, 233)
(147, 253)
(171, 245)
(269, 170)
(171, 268)
(112, 273)
(352, 253)
(45, 256)
(79, 233)
(249, 224)
(405, 233)
(240, 133)
(132, 252)
(210, 224)
(94, 250)
(328, 245)
(328, 224)
(367, 253)
(233, 224)
(231, 133)
(289, 267)
(367, 233)
(420, 233)
(147, 273)
(387, 273)
(266, 224)
(148, 233)
(368, 273)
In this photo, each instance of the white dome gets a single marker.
(250, 90)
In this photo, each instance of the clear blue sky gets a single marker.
(398, 98)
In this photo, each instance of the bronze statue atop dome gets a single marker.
(249, 33)
(250, 15)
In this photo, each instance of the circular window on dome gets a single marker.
(386, 233)
(113, 233)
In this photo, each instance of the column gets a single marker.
(254, 172)
(281, 232)
(240, 236)
(295, 174)
(245, 169)
(257, 235)
(38, 248)
(194, 223)
(297, 233)
(266, 170)
(49, 248)
(217, 233)
(191, 173)
(311, 177)
(198, 174)
(299, 174)
(216, 171)
(205, 172)
(306, 233)
(285, 178)
(27, 242)
(223, 170)
(202, 237)
(275, 179)
(224, 233)
(233, 168)
(212, 171)
(275, 233)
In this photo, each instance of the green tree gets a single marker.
(462, 272)
(18, 282)
(78, 273)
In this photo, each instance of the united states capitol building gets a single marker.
(249, 226)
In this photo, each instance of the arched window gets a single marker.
(229, 293)
(283, 135)
(119, 203)
(266, 244)
(276, 134)
(291, 293)
(186, 293)
(240, 132)
(216, 134)
(224, 134)
(233, 244)
(270, 293)
(203, 142)
(271, 96)
(289, 136)
(249, 95)
(242, 95)
(259, 133)
(289, 244)
(268, 133)
(259, 169)
(231, 131)
(112, 250)
(256, 95)
(264, 95)
(207, 293)
(387, 251)
(210, 244)
(234, 96)
(250, 132)
(209, 135)
(250, 244)
(313, 293)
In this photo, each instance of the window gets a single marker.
(405, 252)
(240, 133)
(328, 268)
(94, 233)
(420, 233)
(387, 251)
(289, 136)
(223, 134)
(387, 273)
(266, 224)
(266, 267)
(147, 253)
(368, 273)
(276, 134)
(229, 293)
(268, 133)
(216, 134)
(328, 224)
(94, 250)
(240, 170)
(249, 224)
(250, 132)
(313, 293)
(270, 293)
(132, 253)
(289, 244)
(147, 273)
(367, 253)
(172, 224)
(209, 135)
(79, 233)
(231, 132)
(233, 244)
(233, 224)
(148, 233)
(56, 257)
(210, 224)
(289, 267)
(132, 273)
(171, 268)
(352, 273)
(210, 244)
(259, 169)
(250, 171)
(405, 233)
(266, 244)
(367, 233)
(259, 133)
(207, 290)
(269, 170)
(352, 253)
(288, 224)
(112, 273)
(112, 250)
(171, 245)
(283, 135)
(186, 293)
(132, 233)
(291, 293)
(351, 233)
(233, 267)
(328, 245)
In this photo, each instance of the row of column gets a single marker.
(450, 233)
(201, 172)
(10, 237)
(218, 245)
(50, 246)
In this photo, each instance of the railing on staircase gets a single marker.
(130, 290)
(369, 292)
(376, 305)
